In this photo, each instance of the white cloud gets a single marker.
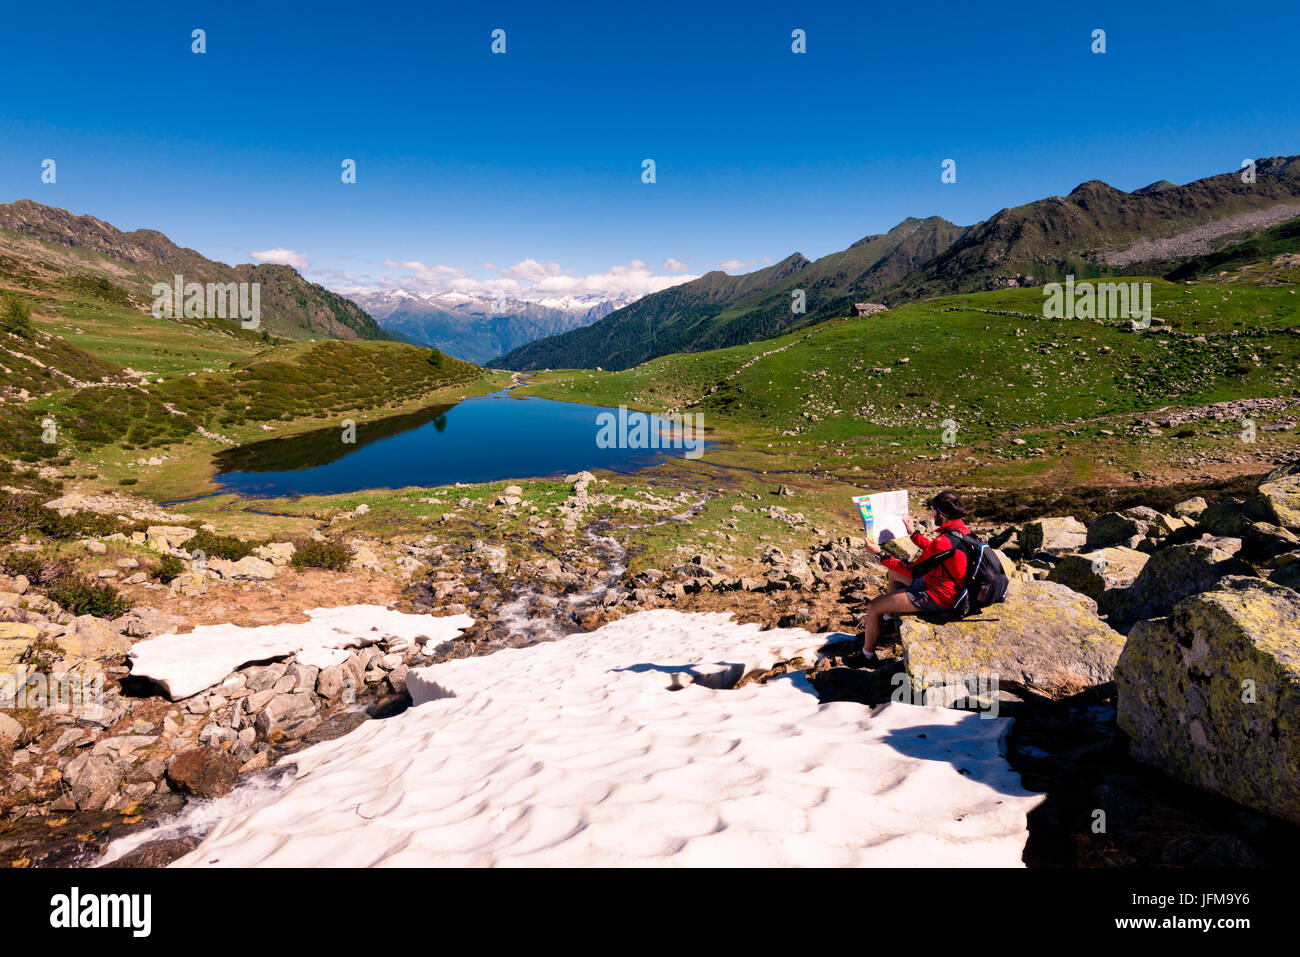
(731, 265)
(531, 270)
(282, 257)
(530, 280)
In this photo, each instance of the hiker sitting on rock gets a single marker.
(937, 589)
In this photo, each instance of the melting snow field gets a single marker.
(186, 664)
(577, 753)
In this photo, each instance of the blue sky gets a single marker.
(466, 158)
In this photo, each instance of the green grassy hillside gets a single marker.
(48, 251)
(881, 388)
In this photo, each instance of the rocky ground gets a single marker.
(1094, 609)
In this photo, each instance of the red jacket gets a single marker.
(943, 583)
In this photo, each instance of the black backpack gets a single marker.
(985, 582)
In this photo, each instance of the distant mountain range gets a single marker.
(478, 329)
(1096, 230)
(39, 240)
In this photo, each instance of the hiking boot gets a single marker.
(842, 649)
(859, 660)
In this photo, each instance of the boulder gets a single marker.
(15, 638)
(93, 780)
(1261, 541)
(189, 585)
(1211, 694)
(1053, 536)
(1286, 571)
(1171, 575)
(1044, 638)
(248, 568)
(92, 638)
(1115, 528)
(163, 538)
(1190, 508)
(284, 713)
(1164, 524)
(278, 554)
(1281, 501)
(10, 730)
(1229, 517)
(203, 772)
(903, 549)
(1102, 575)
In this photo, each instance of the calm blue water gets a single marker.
(497, 436)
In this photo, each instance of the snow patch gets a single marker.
(186, 664)
(578, 753)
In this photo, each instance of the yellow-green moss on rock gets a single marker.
(1045, 638)
(1211, 694)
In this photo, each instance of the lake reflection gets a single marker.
(491, 437)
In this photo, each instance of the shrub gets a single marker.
(331, 555)
(39, 569)
(127, 481)
(83, 596)
(26, 515)
(167, 569)
(219, 546)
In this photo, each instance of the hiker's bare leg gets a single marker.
(897, 603)
(898, 581)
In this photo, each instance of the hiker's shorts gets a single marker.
(921, 599)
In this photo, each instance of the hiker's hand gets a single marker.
(873, 547)
(909, 525)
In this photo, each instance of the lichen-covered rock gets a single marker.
(1230, 516)
(92, 638)
(277, 553)
(189, 585)
(1102, 575)
(16, 638)
(1190, 508)
(1286, 571)
(1171, 575)
(1281, 500)
(163, 538)
(1045, 638)
(1054, 536)
(1261, 541)
(1211, 693)
(247, 568)
(1115, 528)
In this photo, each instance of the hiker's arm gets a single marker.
(894, 564)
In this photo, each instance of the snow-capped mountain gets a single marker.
(478, 328)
